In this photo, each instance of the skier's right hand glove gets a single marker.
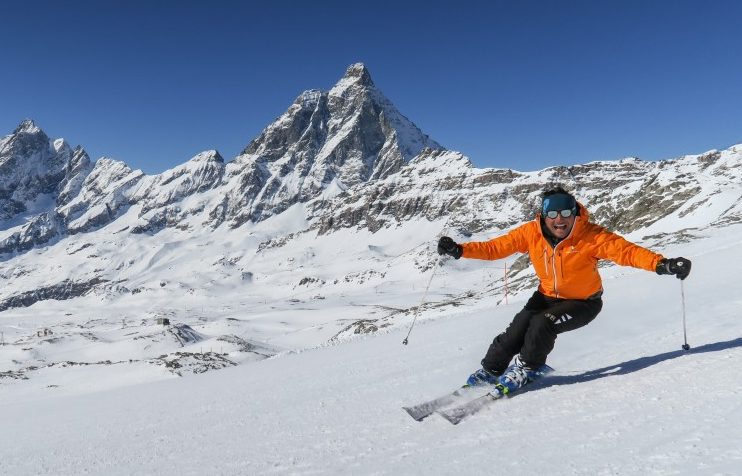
(446, 246)
(680, 267)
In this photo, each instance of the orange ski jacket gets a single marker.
(568, 270)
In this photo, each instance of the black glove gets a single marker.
(680, 267)
(446, 246)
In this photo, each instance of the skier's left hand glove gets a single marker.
(680, 267)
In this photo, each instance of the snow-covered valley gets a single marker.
(625, 398)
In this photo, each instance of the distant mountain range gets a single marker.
(325, 141)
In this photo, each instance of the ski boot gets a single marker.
(482, 377)
(515, 377)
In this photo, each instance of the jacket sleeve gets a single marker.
(615, 248)
(500, 247)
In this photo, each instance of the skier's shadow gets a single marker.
(636, 364)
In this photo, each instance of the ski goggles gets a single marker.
(559, 204)
(565, 213)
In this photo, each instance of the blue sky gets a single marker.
(518, 84)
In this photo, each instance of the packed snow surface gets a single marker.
(625, 398)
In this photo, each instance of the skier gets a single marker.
(564, 247)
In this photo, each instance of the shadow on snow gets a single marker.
(636, 364)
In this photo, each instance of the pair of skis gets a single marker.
(465, 401)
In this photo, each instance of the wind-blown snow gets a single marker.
(625, 398)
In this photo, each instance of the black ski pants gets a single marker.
(534, 330)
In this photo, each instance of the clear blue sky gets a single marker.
(510, 83)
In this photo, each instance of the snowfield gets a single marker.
(625, 398)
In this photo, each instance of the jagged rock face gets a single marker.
(101, 196)
(624, 195)
(67, 289)
(444, 175)
(77, 169)
(203, 172)
(58, 192)
(36, 175)
(112, 188)
(32, 167)
(40, 230)
(349, 135)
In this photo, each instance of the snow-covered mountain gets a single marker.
(348, 136)
(37, 175)
(322, 229)
(325, 141)
(352, 158)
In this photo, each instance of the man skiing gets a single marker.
(564, 247)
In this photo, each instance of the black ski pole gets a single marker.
(685, 332)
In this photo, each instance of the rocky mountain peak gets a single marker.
(208, 156)
(36, 175)
(27, 127)
(26, 141)
(356, 79)
(358, 73)
(348, 136)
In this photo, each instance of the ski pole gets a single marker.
(425, 295)
(685, 332)
(432, 275)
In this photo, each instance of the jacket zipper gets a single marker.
(553, 268)
(553, 257)
(553, 260)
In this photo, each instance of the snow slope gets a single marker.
(625, 398)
